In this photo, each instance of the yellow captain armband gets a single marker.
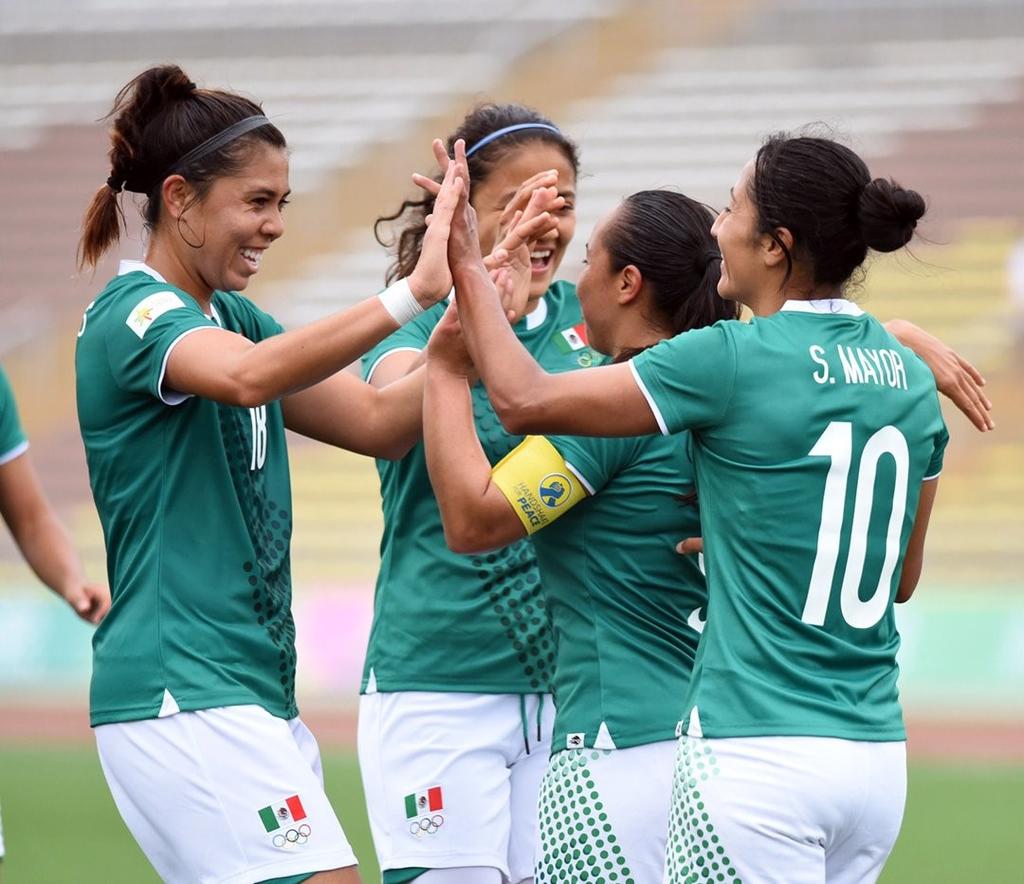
(537, 482)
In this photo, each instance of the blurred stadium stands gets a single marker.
(657, 94)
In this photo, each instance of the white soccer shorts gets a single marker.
(793, 810)
(605, 811)
(452, 779)
(223, 796)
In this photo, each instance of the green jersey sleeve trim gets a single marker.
(650, 399)
(383, 356)
(578, 473)
(16, 452)
(173, 397)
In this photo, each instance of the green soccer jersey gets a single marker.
(813, 430)
(195, 503)
(625, 607)
(12, 438)
(449, 622)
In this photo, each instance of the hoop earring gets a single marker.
(184, 238)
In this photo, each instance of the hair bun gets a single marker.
(888, 214)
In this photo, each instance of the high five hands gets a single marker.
(527, 218)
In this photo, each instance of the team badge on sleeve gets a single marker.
(423, 811)
(149, 308)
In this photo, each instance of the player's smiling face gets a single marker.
(492, 194)
(597, 287)
(735, 229)
(237, 220)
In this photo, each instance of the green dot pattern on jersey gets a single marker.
(577, 842)
(511, 574)
(695, 850)
(270, 527)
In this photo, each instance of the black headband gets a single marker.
(137, 181)
(235, 130)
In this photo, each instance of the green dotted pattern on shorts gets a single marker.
(577, 841)
(695, 851)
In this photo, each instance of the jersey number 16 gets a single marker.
(836, 443)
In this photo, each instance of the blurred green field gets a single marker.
(962, 824)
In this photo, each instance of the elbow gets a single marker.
(466, 537)
(393, 449)
(249, 397)
(249, 391)
(517, 413)
(908, 583)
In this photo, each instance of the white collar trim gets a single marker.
(825, 307)
(133, 266)
(535, 318)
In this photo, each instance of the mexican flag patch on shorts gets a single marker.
(274, 816)
(423, 802)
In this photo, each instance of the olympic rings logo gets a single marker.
(428, 825)
(293, 837)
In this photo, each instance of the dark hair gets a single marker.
(821, 191)
(667, 237)
(158, 118)
(480, 122)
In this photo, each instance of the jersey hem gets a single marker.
(145, 713)
(864, 736)
(625, 742)
(386, 687)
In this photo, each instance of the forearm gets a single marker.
(297, 359)
(475, 514)
(47, 548)
(511, 375)
(397, 418)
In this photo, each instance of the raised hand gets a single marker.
(464, 238)
(431, 279)
(525, 228)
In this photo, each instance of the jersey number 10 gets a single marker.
(836, 443)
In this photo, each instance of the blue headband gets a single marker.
(483, 142)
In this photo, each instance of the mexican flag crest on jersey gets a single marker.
(426, 801)
(571, 339)
(290, 810)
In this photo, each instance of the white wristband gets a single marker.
(400, 302)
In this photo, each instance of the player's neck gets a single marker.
(165, 261)
(769, 300)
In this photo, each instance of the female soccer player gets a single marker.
(626, 611)
(455, 719)
(818, 440)
(184, 391)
